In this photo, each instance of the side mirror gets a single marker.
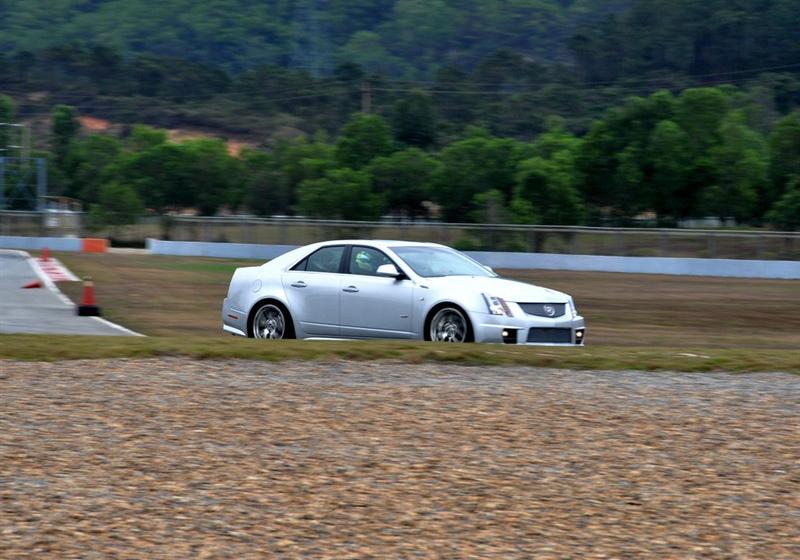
(389, 270)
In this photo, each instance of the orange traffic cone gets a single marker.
(88, 308)
(33, 284)
(45, 255)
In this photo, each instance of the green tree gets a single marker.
(344, 194)
(118, 204)
(669, 162)
(265, 192)
(87, 164)
(414, 120)
(741, 168)
(784, 150)
(366, 49)
(549, 180)
(143, 137)
(700, 112)
(522, 211)
(161, 175)
(613, 156)
(474, 165)
(194, 174)
(404, 180)
(6, 116)
(65, 129)
(785, 214)
(362, 139)
(549, 185)
(300, 161)
(215, 174)
(490, 208)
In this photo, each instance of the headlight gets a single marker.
(497, 305)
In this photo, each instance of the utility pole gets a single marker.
(366, 97)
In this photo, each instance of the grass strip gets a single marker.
(56, 348)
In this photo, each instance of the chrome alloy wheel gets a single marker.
(448, 325)
(269, 322)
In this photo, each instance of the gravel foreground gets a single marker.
(173, 458)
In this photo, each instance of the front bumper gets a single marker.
(528, 329)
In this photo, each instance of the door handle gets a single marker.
(299, 284)
(350, 289)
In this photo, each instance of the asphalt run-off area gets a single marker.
(43, 310)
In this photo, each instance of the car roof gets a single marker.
(379, 243)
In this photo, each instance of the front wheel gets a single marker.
(269, 322)
(449, 325)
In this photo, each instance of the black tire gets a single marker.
(448, 322)
(274, 319)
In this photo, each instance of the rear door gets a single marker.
(313, 290)
(374, 306)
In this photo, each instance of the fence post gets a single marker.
(712, 245)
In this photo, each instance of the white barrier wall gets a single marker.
(38, 243)
(219, 250)
(733, 268)
(542, 261)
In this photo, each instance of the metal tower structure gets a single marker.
(23, 179)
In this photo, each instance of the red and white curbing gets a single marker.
(55, 271)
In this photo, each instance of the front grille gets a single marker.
(550, 310)
(550, 336)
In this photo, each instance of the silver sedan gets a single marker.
(394, 289)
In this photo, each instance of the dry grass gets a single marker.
(55, 348)
(181, 296)
(676, 311)
(156, 295)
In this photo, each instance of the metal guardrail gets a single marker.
(657, 242)
(616, 241)
(41, 224)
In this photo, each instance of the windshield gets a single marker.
(439, 261)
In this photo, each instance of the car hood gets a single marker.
(510, 290)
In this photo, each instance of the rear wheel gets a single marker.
(271, 322)
(449, 324)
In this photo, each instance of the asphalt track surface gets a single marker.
(41, 310)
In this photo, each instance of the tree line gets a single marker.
(663, 157)
(413, 39)
(504, 92)
(402, 38)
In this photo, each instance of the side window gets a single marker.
(326, 259)
(365, 260)
(301, 265)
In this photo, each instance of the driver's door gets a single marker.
(374, 306)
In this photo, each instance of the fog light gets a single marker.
(509, 336)
(505, 334)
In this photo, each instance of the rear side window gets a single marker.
(326, 259)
